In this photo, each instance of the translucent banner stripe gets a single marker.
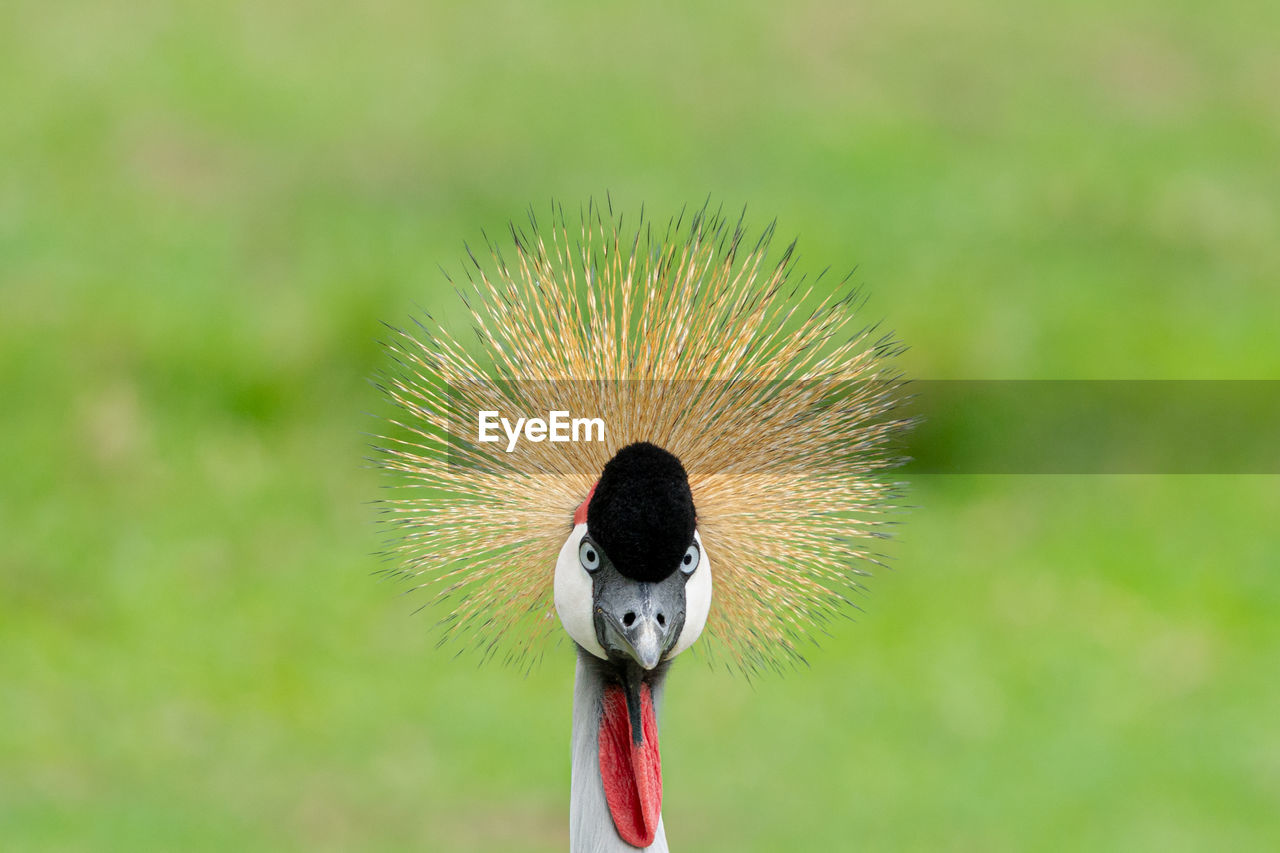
(960, 427)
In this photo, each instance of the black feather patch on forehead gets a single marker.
(642, 514)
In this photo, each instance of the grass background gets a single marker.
(206, 209)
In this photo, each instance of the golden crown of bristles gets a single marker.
(776, 402)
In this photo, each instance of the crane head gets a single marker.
(633, 584)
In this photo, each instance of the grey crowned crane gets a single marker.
(745, 430)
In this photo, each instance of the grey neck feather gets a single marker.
(590, 824)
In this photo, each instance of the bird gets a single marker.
(738, 486)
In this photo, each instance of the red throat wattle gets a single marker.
(631, 771)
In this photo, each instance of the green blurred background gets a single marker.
(206, 209)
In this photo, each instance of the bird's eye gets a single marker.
(690, 560)
(589, 556)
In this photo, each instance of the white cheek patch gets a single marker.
(574, 600)
(697, 602)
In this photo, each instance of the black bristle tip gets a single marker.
(642, 514)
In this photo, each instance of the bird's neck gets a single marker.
(591, 828)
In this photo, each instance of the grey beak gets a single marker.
(636, 623)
